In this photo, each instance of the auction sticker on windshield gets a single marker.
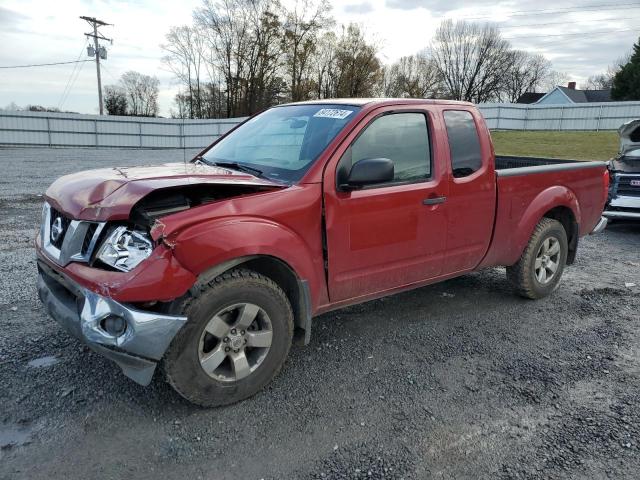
(332, 113)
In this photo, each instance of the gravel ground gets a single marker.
(458, 380)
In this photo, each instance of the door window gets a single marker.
(403, 138)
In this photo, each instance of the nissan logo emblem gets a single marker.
(56, 229)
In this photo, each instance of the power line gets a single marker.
(44, 64)
(601, 32)
(73, 82)
(590, 8)
(562, 23)
(75, 66)
(108, 71)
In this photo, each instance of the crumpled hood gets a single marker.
(629, 136)
(110, 193)
(625, 164)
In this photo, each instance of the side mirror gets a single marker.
(369, 171)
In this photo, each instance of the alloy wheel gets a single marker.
(547, 260)
(235, 342)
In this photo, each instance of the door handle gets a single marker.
(434, 200)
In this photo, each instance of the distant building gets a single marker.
(530, 97)
(566, 96)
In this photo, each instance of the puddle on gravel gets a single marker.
(43, 361)
(14, 436)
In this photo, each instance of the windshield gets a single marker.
(282, 143)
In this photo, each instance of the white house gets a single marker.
(566, 96)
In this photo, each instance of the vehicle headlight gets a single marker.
(124, 248)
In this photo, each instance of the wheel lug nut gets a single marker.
(233, 331)
(225, 339)
(226, 349)
(242, 332)
(236, 350)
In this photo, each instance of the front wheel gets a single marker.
(236, 339)
(540, 267)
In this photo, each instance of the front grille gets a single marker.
(58, 220)
(88, 238)
(625, 188)
(66, 240)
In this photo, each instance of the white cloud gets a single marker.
(45, 31)
(40, 31)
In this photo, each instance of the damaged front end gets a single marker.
(107, 274)
(134, 339)
(624, 191)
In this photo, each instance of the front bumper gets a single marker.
(600, 226)
(137, 349)
(623, 206)
(612, 214)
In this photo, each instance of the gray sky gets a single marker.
(580, 38)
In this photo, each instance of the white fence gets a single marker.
(589, 116)
(65, 129)
(75, 130)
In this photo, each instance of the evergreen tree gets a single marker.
(626, 83)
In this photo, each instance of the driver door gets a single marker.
(389, 235)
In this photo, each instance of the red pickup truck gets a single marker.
(214, 267)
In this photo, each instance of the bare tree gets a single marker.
(324, 75)
(603, 81)
(241, 56)
(471, 59)
(301, 29)
(263, 84)
(415, 76)
(13, 107)
(525, 73)
(185, 58)
(554, 79)
(141, 92)
(357, 66)
(227, 35)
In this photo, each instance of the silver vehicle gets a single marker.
(624, 191)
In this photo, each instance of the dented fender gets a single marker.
(219, 241)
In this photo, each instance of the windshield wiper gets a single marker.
(238, 166)
(228, 164)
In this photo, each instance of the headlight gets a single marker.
(124, 248)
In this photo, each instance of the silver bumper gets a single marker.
(623, 206)
(600, 226)
(137, 348)
(621, 214)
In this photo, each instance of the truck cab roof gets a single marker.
(378, 102)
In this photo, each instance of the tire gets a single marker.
(527, 276)
(217, 327)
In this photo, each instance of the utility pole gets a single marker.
(97, 51)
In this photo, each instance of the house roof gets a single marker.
(598, 95)
(530, 97)
(584, 96)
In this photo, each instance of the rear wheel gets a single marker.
(235, 341)
(541, 265)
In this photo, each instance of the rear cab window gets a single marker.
(464, 143)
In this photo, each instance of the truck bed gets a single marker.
(524, 185)
(504, 162)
